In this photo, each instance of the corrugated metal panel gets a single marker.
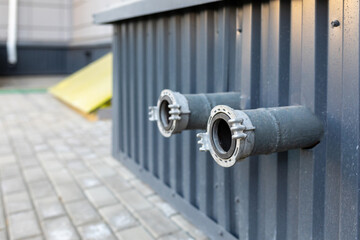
(275, 53)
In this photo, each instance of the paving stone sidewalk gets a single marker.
(58, 180)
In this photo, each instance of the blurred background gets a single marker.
(54, 37)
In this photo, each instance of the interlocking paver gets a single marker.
(156, 222)
(110, 161)
(12, 185)
(41, 189)
(88, 180)
(60, 176)
(96, 231)
(56, 172)
(52, 165)
(10, 171)
(2, 217)
(7, 159)
(134, 233)
(59, 229)
(5, 149)
(41, 147)
(162, 205)
(23, 224)
(49, 207)
(118, 217)
(34, 174)
(187, 226)
(103, 170)
(17, 202)
(142, 187)
(77, 167)
(100, 196)
(177, 236)
(3, 235)
(134, 200)
(126, 174)
(46, 156)
(34, 238)
(82, 212)
(69, 192)
(117, 183)
(26, 162)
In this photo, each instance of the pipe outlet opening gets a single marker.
(221, 136)
(164, 113)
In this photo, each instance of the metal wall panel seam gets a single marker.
(222, 46)
(123, 83)
(204, 63)
(161, 78)
(321, 58)
(249, 87)
(117, 64)
(141, 79)
(307, 90)
(294, 99)
(131, 81)
(349, 185)
(283, 100)
(174, 70)
(333, 131)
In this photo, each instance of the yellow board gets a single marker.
(88, 88)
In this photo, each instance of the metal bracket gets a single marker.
(204, 142)
(153, 113)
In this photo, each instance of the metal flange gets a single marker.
(171, 113)
(229, 137)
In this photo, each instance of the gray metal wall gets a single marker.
(275, 53)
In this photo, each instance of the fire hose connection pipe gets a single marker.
(176, 112)
(233, 135)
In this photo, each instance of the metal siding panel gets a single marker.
(142, 112)
(187, 63)
(213, 68)
(238, 201)
(249, 84)
(161, 78)
(186, 87)
(321, 41)
(333, 133)
(204, 77)
(132, 100)
(274, 53)
(240, 173)
(307, 98)
(349, 185)
(174, 73)
(124, 91)
(269, 98)
(283, 100)
(294, 98)
(152, 93)
(230, 185)
(222, 175)
(117, 65)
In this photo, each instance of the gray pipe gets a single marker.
(176, 112)
(233, 135)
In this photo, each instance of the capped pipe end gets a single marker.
(229, 136)
(171, 113)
